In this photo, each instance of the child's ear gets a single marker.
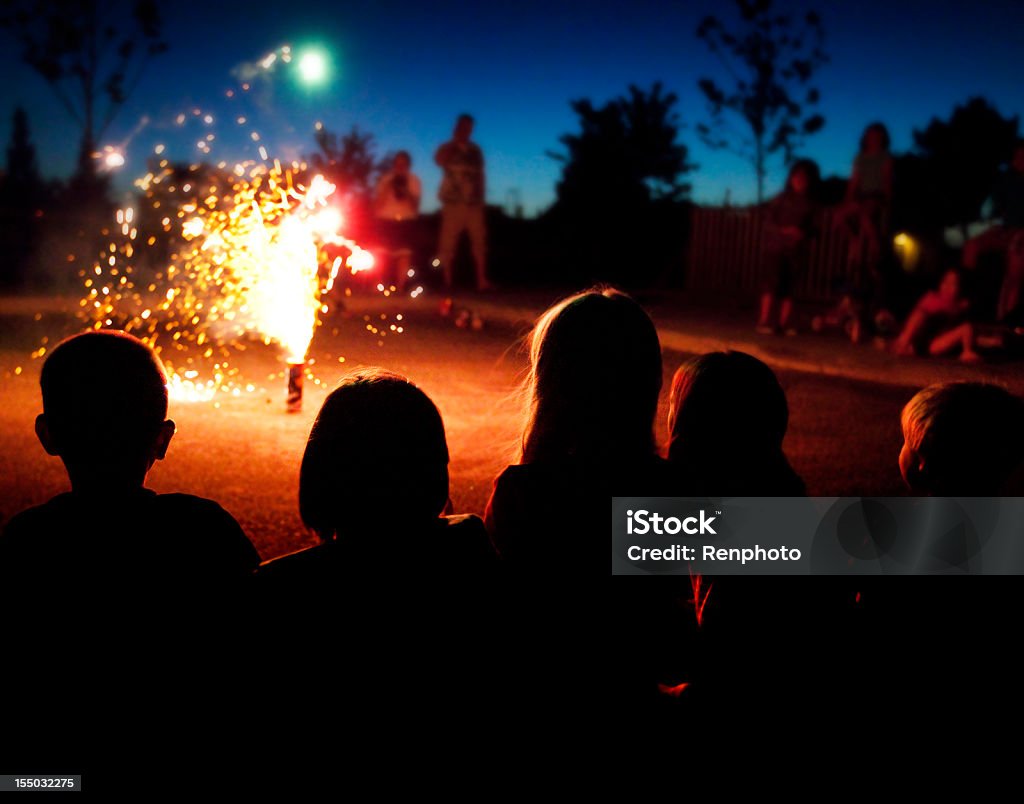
(163, 440)
(43, 434)
(919, 476)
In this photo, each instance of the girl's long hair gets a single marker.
(594, 380)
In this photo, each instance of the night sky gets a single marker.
(403, 70)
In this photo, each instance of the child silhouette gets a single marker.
(595, 376)
(727, 418)
(374, 487)
(104, 415)
(962, 439)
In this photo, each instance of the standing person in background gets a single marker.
(396, 205)
(864, 215)
(462, 201)
(788, 232)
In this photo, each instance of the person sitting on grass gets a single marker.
(374, 488)
(592, 391)
(104, 415)
(962, 439)
(788, 231)
(937, 325)
(727, 419)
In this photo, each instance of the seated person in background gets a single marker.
(1007, 238)
(374, 488)
(396, 206)
(961, 439)
(595, 376)
(937, 324)
(727, 419)
(788, 231)
(104, 415)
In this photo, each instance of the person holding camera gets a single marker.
(396, 202)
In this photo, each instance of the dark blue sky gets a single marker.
(403, 70)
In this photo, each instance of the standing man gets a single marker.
(462, 200)
(396, 202)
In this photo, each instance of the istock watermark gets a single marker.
(817, 535)
(642, 522)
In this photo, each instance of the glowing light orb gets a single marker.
(328, 222)
(312, 67)
(907, 250)
(361, 260)
(113, 160)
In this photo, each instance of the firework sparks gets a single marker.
(245, 253)
(215, 257)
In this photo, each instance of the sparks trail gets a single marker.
(214, 258)
(230, 258)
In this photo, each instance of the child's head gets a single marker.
(961, 439)
(726, 407)
(803, 177)
(376, 455)
(104, 408)
(595, 376)
(950, 285)
(875, 139)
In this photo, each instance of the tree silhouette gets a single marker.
(23, 195)
(962, 156)
(350, 161)
(626, 152)
(91, 54)
(771, 59)
(22, 179)
(619, 214)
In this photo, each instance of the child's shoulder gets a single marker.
(177, 503)
(38, 518)
(201, 518)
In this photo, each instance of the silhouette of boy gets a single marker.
(104, 415)
(374, 488)
(962, 439)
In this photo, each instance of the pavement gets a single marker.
(695, 325)
(690, 324)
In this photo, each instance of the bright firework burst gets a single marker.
(237, 256)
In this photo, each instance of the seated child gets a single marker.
(104, 415)
(961, 439)
(374, 488)
(937, 325)
(592, 397)
(1007, 237)
(727, 418)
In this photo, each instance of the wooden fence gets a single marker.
(726, 248)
